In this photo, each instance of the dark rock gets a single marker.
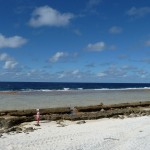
(13, 129)
(1, 122)
(143, 114)
(18, 129)
(81, 122)
(61, 110)
(121, 116)
(37, 124)
(29, 129)
(1, 131)
(132, 115)
(31, 112)
(13, 121)
(61, 124)
(89, 108)
(2, 114)
(55, 117)
(115, 116)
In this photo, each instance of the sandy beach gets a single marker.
(102, 134)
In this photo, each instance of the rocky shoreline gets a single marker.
(10, 120)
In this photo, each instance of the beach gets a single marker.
(82, 119)
(103, 134)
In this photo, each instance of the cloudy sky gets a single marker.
(75, 40)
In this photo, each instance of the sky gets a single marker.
(75, 41)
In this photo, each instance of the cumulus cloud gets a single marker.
(47, 16)
(4, 57)
(9, 62)
(56, 57)
(99, 46)
(123, 73)
(138, 12)
(11, 42)
(101, 74)
(74, 74)
(115, 30)
(113, 72)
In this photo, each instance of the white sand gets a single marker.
(104, 134)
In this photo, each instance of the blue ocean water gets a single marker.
(25, 86)
(25, 95)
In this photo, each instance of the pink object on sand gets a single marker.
(38, 116)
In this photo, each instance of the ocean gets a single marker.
(26, 95)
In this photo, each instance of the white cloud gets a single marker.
(9, 63)
(147, 43)
(4, 57)
(115, 30)
(56, 57)
(11, 42)
(61, 76)
(47, 16)
(101, 74)
(138, 12)
(75, 72)
(99, 46)
(123, 73)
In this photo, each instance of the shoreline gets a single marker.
(9, 119)
(41, 100)
(116, 126)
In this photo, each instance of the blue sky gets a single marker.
(75, 40)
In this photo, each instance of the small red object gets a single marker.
(37, 116)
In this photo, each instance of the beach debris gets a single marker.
(81, 122)
(37, 124)
(121, 116)
(59, 121)
(1, 131)
(61, 124)
(29, 129)
(37, 117)
(132, 115)
(1, 135)
(13, 129)
(11, 121)
(111, 139)
(102, 110)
